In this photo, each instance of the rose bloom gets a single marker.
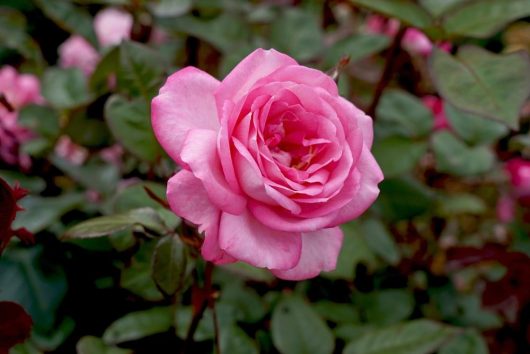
(17, 90)
(436, 105)
(76, 52)
(273, 159)
(70, 151)
(518, 170)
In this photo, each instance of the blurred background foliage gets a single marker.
(431, 268)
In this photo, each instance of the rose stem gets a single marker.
(388, 71)
(206, 297)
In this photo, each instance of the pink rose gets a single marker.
(414, 41)
(436, 105)
(17, 91)
(76, 52)
(70, 151)
(506, 209)
(273, 159)
(518, 170)
(112, 26)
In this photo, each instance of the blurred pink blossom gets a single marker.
(414, 41)
(112, 25)
(113, 154)
(506, 208)
(518, 170)
(70, 151)
(76, 52)
(436, 105)
(17, 90)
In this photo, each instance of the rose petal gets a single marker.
(246, 239)
(320, 250)
(200, 154)
(189, 200)
(254, 67)
(371, 176)
(304, 75)
(185, 102)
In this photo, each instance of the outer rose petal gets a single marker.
(246, 239)
(188, 199)
(200, 154)
(185, 102)
(320, 250)
(371, 176)
(254, 67)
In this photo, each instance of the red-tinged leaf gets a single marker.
(15, 325)
(8, 211)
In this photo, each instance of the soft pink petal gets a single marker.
(281, 219)
(304, 75)
(189, 200)
(76, 52)
(320, 250)
(185, 102)
(371, 176)
(246, 239)
(200, 154)
(254, 67)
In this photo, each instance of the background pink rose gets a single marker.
(112, 26)
(17, 90)
(436, 105)
(273, 161)
(76, 52)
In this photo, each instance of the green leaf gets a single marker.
(415, 337)
(234, 340)
(475, 130)
(141, 70)
(65, 88)
(13, 35)
(170, 8)
(246, 304)
(41, 120)
(356, 46)
(226, 32)
(297, 329)
(69, 17)
(403, 198)
(183, 317)
(455, 157)
(88, 132)
(337, 312)
(42, 212)
(140, 324)
(129, 122)
(135, 196)
(97, 175)
(380, 241)
(297, 32)
(439, 7)
(94, 345)
(354, 250)
(107, 65)
(397, 155)
(387, 307)
(470, 342)
(169, 264)
(400, 113)
(458, 204)
(485, 17)
(40, 290)
(477, 81)
(405, 10)
(137, 276)
(106, 225)
(32, 183)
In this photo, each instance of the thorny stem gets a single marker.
(206, 299)
(388, 71)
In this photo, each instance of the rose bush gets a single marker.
(273, 159)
